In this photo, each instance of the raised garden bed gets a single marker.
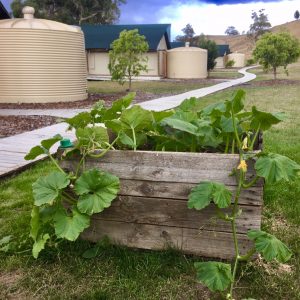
(151, 209)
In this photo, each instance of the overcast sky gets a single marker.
(209, 17)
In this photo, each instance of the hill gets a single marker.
(244, 44)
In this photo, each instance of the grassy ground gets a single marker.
(120, 273)
(162, 86)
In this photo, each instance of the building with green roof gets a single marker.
(98, 40)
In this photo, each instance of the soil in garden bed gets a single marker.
(11, 125)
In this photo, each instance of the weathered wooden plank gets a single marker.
(178, 190)
(175, 213)
(188, 168)
(193, 241)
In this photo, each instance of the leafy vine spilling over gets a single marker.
(65, 201)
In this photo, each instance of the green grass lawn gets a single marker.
(120, 273)
(154, 87)
(225, 74)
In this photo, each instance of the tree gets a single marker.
(188, 34)
(275, 50)
(297, 14)
(260, 24)
(231, 30)
(126, 59)
(212, 51)
(72, 12)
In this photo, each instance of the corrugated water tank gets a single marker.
(187, 62)
(41, 61)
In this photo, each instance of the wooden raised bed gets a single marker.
(151, 209)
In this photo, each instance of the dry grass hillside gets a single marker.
(244, 44)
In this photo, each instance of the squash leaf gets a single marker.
(80, 120)
(215, 275)
(275, 167)
(264, 120)
(70, 226)
(39, 245)
(205, 192)
(92, 135)
(269, 246)
(97, 189)
(47, 189)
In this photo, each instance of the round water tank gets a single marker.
(41, 61)
(187, 62)
(238, 58)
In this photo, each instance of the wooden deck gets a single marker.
(14, 148)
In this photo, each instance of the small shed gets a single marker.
(41, 61)
(187, 62)
(98, 40)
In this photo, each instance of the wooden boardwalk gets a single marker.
(14, 148)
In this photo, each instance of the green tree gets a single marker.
(72, 12)
(296, 14)
(127, 59)
(231, 30)
(212, 51)
(260, 24)
(275, 50)
(188, 34)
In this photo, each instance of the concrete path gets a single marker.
(14, 148)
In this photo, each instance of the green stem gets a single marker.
(55, 163)
(80, 163)
(247, 256)
(104, 151)
(227, 144)
(233, 146)
(254, 138)
(134, 139)
(69, 198)
(234, 233)
(250, 183)
(235, 131)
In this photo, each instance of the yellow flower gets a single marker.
(242, 166)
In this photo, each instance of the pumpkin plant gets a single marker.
(65, 201)
(270, 167)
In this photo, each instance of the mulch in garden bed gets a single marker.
(11, 125)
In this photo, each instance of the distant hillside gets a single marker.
(244, 44)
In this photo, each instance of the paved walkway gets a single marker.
(14, 148)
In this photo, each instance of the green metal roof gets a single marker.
(222, 49)
(101, 36)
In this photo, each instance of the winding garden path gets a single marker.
(14, 148)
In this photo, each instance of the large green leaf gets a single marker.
(97, 189)
(215, 275)
(136, 118)
(181, 125)
(205, 192)
(269, 246)
(96, 136)
(80, 120)
(47, 144)
(35, 152)
(275, 167)
(192, 104)
(39, 245)
(70, 226)
(43, 149)
(264, 120)
(158, 116)
(236, 104)
(215, 109)
(47, 189)
(118, 107)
